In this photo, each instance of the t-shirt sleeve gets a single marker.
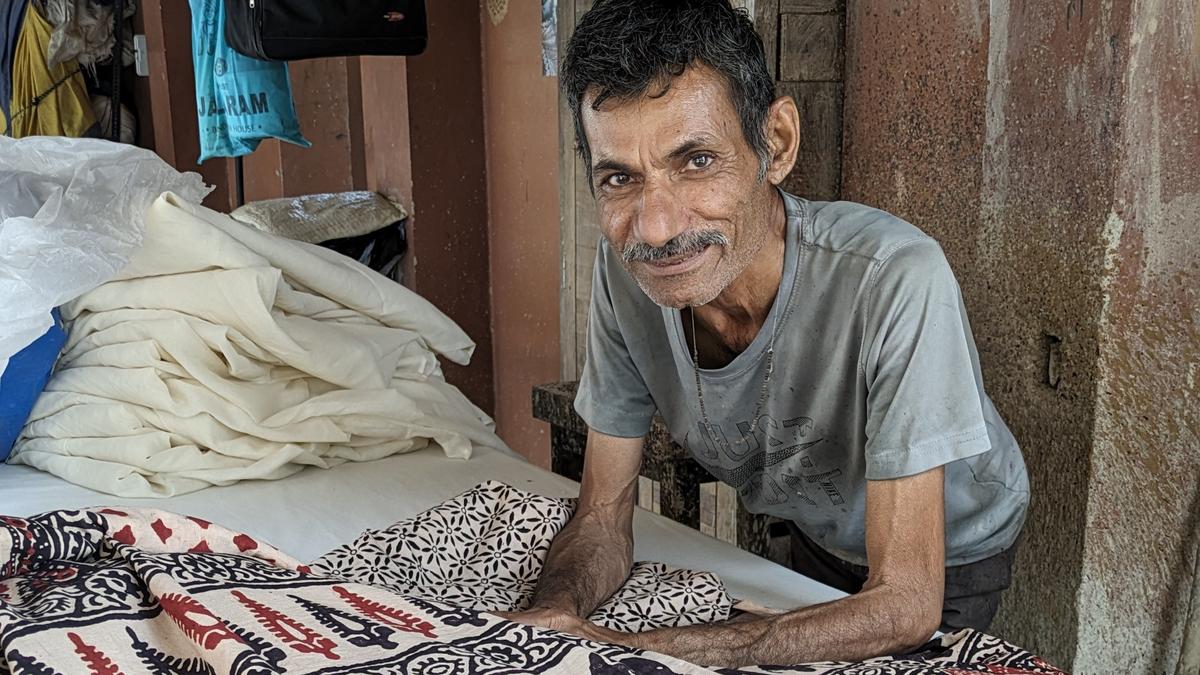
(923, 401)
(612, 398)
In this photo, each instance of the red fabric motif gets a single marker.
(161, 529)
(197, 622)
(245, 543)
(201, 547)
(125, 536)
(293, 633)
(384, 614)
(94, 659)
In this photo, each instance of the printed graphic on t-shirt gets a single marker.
(782, 471)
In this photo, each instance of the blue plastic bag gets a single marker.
(23, 381)
(240, 100)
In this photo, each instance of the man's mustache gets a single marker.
(683, 245)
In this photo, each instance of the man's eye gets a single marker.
(701, 161)
(618, 180)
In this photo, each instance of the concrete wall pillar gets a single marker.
(1027, 139)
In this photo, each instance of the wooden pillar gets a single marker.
(379, 124)
(320, 89)
(448, 260)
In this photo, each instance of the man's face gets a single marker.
(678, 188)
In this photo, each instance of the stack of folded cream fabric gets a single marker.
(221, 353)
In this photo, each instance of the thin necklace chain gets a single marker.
(762, 395)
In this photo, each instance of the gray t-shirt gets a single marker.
(876, 377)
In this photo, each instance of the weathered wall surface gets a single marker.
(1144, 502)
(521, 119)
(1013, 132)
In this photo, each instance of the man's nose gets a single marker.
(660, 216)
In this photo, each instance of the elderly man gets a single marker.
(815, 356)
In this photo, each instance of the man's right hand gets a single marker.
(590, 558)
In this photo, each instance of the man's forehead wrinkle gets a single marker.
(691, 142)
(646, 131)
(605, 164)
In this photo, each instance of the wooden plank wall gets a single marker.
(810, 70)
(567, 163)
(803, 40)
(580, 232)
(353, 110)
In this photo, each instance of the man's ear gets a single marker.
(783, 138)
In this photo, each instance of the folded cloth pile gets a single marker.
(221, 353)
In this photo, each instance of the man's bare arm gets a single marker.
(899, 607)
(591, 557)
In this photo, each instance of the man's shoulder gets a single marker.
(608, 264)
(858, 229)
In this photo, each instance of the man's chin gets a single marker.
(678, 298)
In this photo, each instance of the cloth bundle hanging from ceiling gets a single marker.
(12, 16)
(46, 100)
(83, 31)
(221, 353)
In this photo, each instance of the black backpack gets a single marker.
(288, 30)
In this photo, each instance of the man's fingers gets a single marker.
(542, 618)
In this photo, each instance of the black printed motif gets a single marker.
(485, 549)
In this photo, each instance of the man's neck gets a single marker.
(739, 312)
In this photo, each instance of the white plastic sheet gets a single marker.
(70, 218)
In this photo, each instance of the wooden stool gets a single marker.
(663, 460)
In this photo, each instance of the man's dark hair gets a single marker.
(633, 48)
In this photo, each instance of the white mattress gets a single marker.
(316, 510)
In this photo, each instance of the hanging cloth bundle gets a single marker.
(12, 15)
(118, 63)
(46, 100)
(85, 30)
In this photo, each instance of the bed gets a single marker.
(310, 513)
(229, 607)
